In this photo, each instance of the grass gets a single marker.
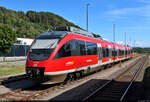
(11, 70)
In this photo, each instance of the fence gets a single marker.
(17, 50)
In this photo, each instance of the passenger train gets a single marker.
(69, 52)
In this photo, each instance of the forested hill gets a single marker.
(31, 23)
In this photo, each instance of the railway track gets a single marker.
(6, 80)
(32, 93)
(117, 88)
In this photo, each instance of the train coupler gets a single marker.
(35, 72)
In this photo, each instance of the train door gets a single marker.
(110, 53)
(124, 53)
(99, 50)
(117, 53)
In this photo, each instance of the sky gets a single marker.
(129, 16)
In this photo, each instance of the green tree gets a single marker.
(32, 23)
(7, 38)
(139, 50)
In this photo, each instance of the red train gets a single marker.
(68, 53)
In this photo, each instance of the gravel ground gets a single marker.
(146, 81)
(15, 85)
(137, 92)
(103, 75)
(146, 91)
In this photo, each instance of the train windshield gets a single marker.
(44, 44)
(41, 49)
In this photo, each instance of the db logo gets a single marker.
(35, 65)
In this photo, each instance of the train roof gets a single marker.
(62, 31)
(73, 30)
(53, 34)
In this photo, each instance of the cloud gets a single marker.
(141, 44)
(144, 1)
(136, 44)
(136, 29)
(126, 12)
(123, 11)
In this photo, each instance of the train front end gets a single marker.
(39, 57)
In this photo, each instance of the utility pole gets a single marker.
(87, 16)
(114, 52)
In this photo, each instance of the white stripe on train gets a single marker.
(82, 68)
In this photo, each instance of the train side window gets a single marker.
(107, 52)
(71, 48)
(103, 51)
(64, 51)
(110, 52)
(113, 52)
(82, 47)
(91, 48)
(125, 52)
(74, 48)
(119, 52)
(94, 48)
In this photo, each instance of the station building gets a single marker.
(19, 48)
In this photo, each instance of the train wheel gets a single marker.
(74, 77)
(105, 66)
(81, 73)
(78, 75)
(68, 78)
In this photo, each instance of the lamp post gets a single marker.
(114, 52)
(87, 16)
